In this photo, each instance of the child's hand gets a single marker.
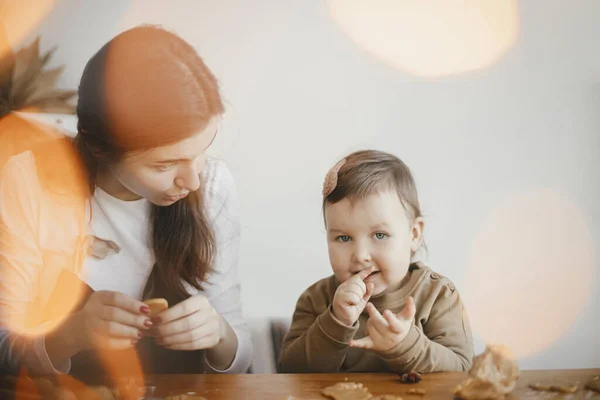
(386, 331)
(351, 297)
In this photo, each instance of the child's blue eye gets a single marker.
(343, 238)
(380, 235)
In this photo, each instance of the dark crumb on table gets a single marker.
(411, 377)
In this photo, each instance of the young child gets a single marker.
(379, 312)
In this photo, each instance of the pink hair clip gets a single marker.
(331, 179)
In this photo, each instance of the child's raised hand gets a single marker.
(351, 297)
(386, 331)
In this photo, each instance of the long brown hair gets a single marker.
(147, 88)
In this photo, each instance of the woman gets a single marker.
(133, 209)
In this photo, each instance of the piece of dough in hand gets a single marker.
(156, 306)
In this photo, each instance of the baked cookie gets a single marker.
(156, 306)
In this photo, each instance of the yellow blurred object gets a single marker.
(530, 271)
(430, 38)
(22, 17)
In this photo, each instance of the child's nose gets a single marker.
(362, 254)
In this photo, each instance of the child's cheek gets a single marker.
(341, 273)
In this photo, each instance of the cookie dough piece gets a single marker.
(493, 375)
(566, 388)
(156, 306)
(347, 391)
(593, 384)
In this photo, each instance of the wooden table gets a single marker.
(308, 386)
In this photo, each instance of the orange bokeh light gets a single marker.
(529, 272)
(61, 178)
(20, 18)
(58, 168)
(430, 38)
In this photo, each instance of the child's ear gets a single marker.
(417, 234)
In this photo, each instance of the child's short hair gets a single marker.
(366, 172)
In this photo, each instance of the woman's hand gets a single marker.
(112, 320)
(192, 324)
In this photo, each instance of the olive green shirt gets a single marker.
(439, 340)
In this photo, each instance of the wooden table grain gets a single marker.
(309, 386)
